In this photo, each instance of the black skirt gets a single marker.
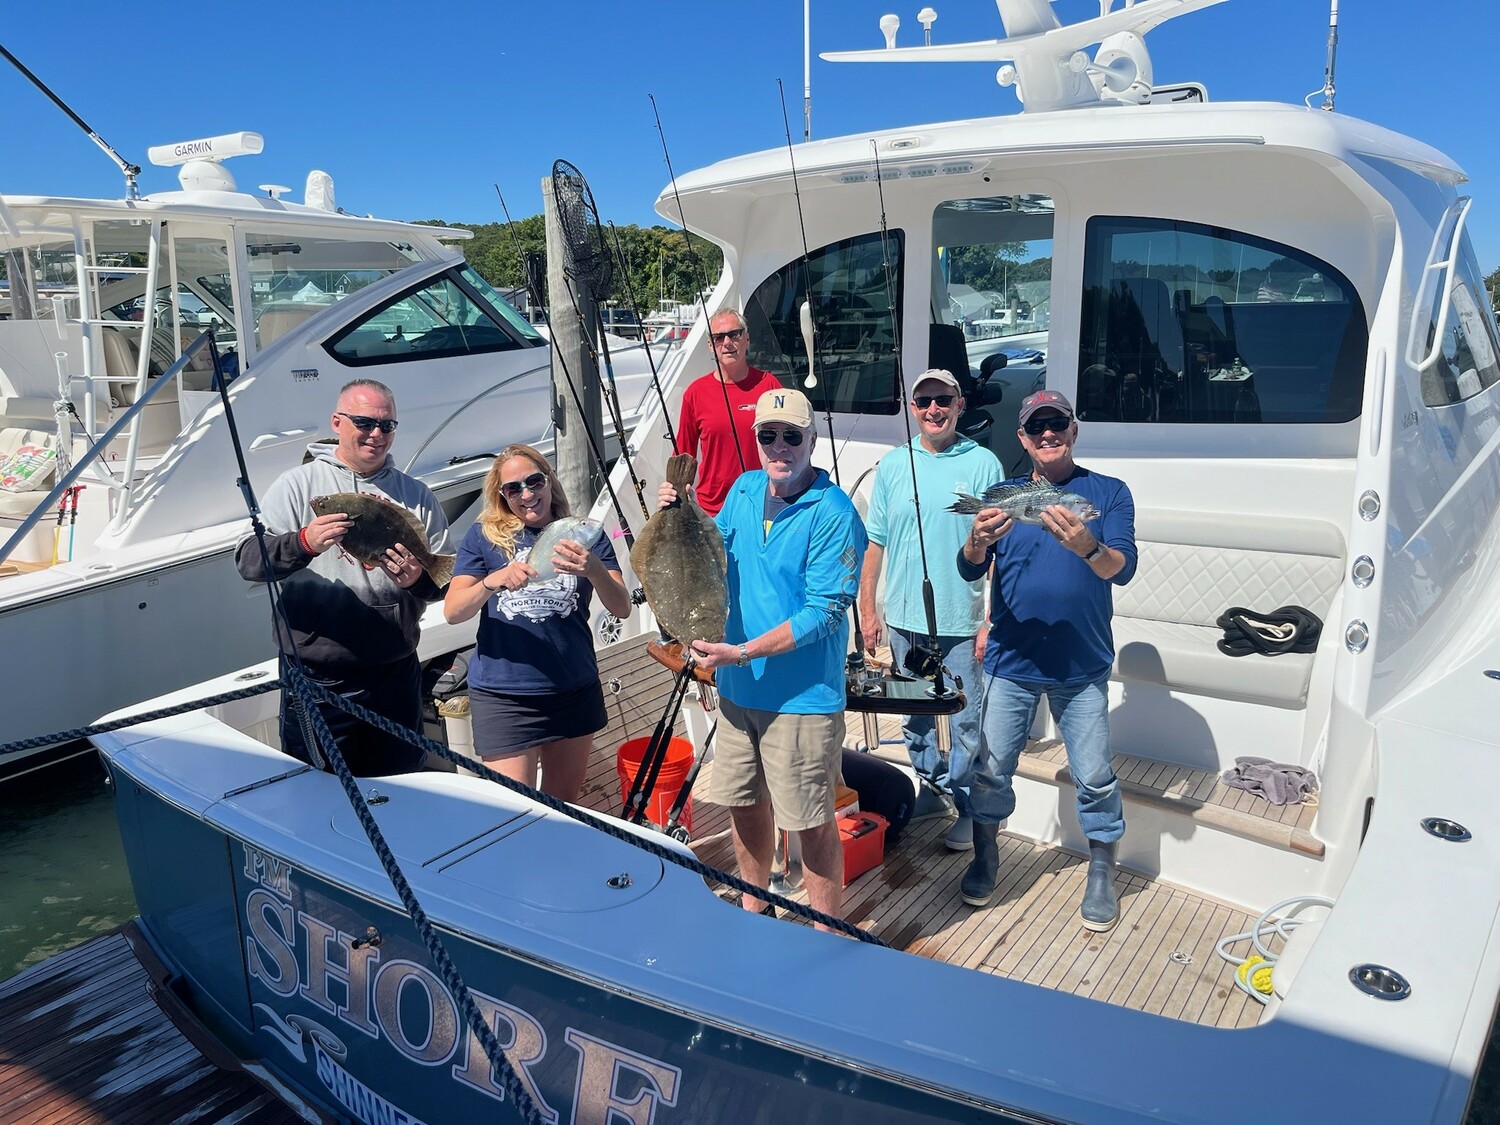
(508, 724)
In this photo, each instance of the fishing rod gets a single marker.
(933, 656)
(702, 301)
(579, 220)
(856, 661)
(807, 321)
(131, 171)
(536, 299)
(635, 311)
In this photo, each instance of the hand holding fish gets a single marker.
(325, 531)
(1068, 529)
(511, 577)
(403, 567)
(990, 526)
(666, 495)
(715, 654)
(572, 557)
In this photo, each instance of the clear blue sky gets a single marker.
(416, 109)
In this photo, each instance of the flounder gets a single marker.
(376, 525)
(577, 528)
(1025, 503)
(679, 558)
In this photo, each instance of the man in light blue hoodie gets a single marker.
(940, 460)
(355, 629)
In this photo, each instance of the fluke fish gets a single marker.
(376, 525)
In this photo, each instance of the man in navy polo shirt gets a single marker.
(1050, 609)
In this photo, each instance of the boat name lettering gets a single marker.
(304, 374)
(355, 1096)
(294, 953)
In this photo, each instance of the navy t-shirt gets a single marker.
(1049, 612)
(535, 640)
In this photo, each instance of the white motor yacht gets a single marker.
(1271, 322)
(127, 587)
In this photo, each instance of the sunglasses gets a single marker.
(513, 488)
(924, 401)
(1036, 427)
(768, 437)
(364, 423)
(732, 334)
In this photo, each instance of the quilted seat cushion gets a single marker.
(1194, 566)
(1184, 658)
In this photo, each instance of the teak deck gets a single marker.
(1160, 958)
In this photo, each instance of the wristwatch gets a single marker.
(1095, 553)
(744, 656)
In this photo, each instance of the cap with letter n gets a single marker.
(784, 405)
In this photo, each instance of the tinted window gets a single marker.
(439, 319)
(853, 329)
(1188, 323)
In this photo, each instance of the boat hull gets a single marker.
(264, 956)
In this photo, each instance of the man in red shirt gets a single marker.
(718, 412)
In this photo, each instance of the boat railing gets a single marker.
(129, 418)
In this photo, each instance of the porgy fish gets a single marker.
(680, 560)
(577, 528)
(376, 525)
(1025, 502)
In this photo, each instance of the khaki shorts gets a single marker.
(790, 760)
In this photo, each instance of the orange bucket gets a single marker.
(674, 770)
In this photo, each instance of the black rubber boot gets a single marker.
(1101, 907)
(979, 880)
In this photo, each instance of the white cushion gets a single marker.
(1186, 658)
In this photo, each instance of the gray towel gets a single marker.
(1277, 782)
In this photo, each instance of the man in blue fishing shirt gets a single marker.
(1050, 610)
(794, 544)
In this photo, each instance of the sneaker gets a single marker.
(930, 803)
(960, 837)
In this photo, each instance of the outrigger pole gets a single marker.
(131, 171)
(702, 301)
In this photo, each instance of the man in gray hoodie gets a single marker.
(355, 629)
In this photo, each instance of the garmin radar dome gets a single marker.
(201, 161)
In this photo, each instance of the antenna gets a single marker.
(1333, 50)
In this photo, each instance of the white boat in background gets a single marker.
(1271, 322)
(135, 592)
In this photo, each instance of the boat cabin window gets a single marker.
(294, 278)
(441, 318)
(1466, 362)
(519, 325)
(992, 273)
(1189, 323)
(33, 275)
(855, 336)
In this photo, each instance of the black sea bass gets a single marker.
(376, 525)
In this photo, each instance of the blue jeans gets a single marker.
(1081, 712)
(920, 731)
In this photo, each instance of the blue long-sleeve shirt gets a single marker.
(1049, 612)
(802, 568)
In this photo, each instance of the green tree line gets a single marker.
(658, 260)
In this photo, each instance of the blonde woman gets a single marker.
(533, 683)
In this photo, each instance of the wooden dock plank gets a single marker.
(82, 1041)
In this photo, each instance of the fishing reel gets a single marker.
(923, 659)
